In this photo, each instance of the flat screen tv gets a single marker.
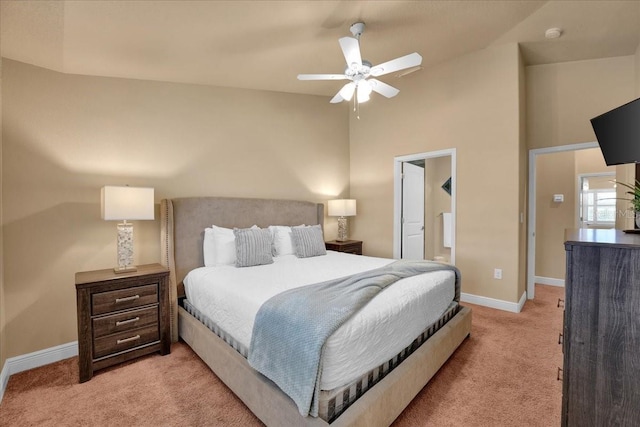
(618, 133)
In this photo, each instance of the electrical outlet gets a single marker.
(497, 273)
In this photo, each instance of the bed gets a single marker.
(377, 401)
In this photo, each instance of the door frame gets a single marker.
(397, 196)
(531, 224)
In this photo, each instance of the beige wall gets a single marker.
(65, 136)
(437, 201)
(637, 69)
(523, 178)
(470, 104)
(591, 161)
(562, 98)
(429, 211)
(2, 302)
(555, 174)
(627, 173)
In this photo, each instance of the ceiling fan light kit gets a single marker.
(357, 29)
(361, 72)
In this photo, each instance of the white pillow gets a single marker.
(282, 242)
(219, 247)
(208, 248)
(224, 244)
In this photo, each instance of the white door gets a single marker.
(412, 211)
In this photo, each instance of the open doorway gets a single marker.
(424, 206)
(553, 200)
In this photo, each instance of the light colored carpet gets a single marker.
(503, 375)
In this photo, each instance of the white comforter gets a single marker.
(231, 297)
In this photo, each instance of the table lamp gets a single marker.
(342, 208)
(122, 204)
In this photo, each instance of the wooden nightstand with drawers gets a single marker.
(121, 316)
(348, 246)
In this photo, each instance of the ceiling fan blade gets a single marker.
(412, 60)
(322, 77)
(382, 88)
(351, 50)
(337, 98)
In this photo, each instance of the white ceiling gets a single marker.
(265, 44)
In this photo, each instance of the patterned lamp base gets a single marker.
(342, 229)
(125, 248)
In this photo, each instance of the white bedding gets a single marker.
(231, 297)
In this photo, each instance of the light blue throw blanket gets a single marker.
(291, 328)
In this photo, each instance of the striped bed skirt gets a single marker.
(334, 402)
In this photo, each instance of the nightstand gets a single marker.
(348, 246)
(121, 316)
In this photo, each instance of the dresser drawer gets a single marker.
(127, 321)
(125, 340)
(122, 299)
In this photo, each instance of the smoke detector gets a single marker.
(553, 33)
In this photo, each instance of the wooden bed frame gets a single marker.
(182, 228)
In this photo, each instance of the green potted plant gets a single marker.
(634, 198)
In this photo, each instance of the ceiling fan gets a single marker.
(362, 72)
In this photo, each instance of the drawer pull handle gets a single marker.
(125, 322)
(560, 302)
(560, 338)
(559, 377)
(125, 299)
(124, 340)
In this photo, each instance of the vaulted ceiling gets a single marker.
(265, 44)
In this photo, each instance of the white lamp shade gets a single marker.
(347, 91)
(342, 207)
(127, 203)
(364, 91)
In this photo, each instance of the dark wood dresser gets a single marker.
(601, 377)
(121, 316)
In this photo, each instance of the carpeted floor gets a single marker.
(504, 374)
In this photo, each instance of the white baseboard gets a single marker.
(549, 281)
(514, 307)
(13, 365)
(4, 379)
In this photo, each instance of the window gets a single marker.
(598, 207)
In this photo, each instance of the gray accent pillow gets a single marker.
(253, 246)
(308, 241)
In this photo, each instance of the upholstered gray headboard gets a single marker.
(183, 221)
